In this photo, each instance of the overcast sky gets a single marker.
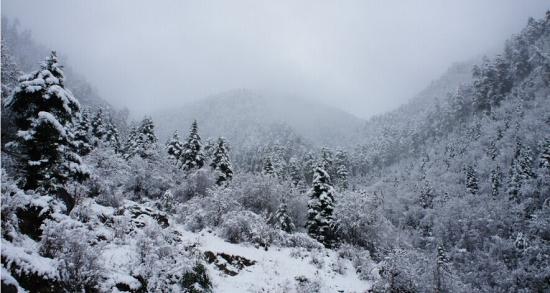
(365, 57)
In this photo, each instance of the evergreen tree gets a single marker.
(98, 127)
(220, 163)
(44, 111)
(268, 168)
(471, 180)
(294, 172)
(496, 177)
(192, 156)
(440, 267)
(545, 155)
(320, 222)
(82, 138)
(282, 220)
(341, 162)
(521, 169)
(142, 140)
(308, 167)
(174, 147)
(111, 137)
(426, 196)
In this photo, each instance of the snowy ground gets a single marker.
(277, 268)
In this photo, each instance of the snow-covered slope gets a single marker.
(278, 269)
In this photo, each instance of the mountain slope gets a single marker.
(247, 118)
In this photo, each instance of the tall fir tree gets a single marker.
(268, 168)
(294, 173)
(192, 156)
(320, 222)
(82, 137)
(282, 220)
(174, 147)
(111, 136)
(98, 127)
(496, 181)
(141, 140)
(544, 160)
(521, 169)
(221, 163)
(44, 112)
(471, 180)
(341, 162)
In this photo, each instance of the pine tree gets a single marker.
(142, 140)
(294, 172)
(341, 161)
(545, 155)
(496, 177)
(82, 137)
(308, 167)
(426, 196)
(98, 127)
(282, 220)
(44, 111)
(192, 156)
(440, 267)
(111, 137)
(268, 168)
(174, 147)
(471, 180)
(320, 222)
(521, 169)
(221, 164)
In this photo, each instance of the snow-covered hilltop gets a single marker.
(449, 193)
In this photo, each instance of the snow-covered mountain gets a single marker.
(246, 118)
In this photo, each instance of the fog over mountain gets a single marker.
(365, 57)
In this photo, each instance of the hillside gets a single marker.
(246, 118)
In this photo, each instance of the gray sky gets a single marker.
(366, 57)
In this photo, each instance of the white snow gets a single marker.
(275, 270)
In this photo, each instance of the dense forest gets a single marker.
(448, 193)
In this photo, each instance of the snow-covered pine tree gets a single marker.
(282, 220)
(440, 267)
(426, 196)
(44, 111)
(268, 168)
(192, 156)
(131, 143)
(471, 180)
(521, 169)
(496, 181)
(545, 154)
(294, 173)
(82, 139)
(98, 127)
(142, 140)
(221, 164)
(341, 162)
(320, 221)
(174, 147)
(308, 167)
(112, 137)
(326, 161)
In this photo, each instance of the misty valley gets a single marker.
(255, 191)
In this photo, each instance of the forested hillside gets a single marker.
(448, 193)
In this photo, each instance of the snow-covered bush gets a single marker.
(197, 183)
(208, 211)
(243, 226)
(77, 249)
